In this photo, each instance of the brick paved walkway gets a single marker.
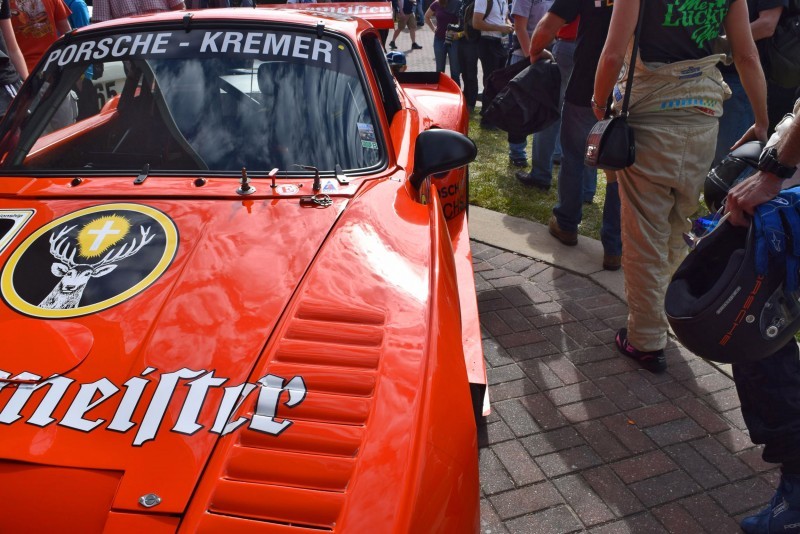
(581, 439)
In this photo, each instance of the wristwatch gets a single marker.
(768, 162)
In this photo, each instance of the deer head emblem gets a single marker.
(74, 276)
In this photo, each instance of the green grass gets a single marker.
(493, 185)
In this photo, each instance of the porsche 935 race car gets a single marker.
(237, 291)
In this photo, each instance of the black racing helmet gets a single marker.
(733, 168)
(721, 309)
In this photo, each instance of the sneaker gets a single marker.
(783, 512)
(518, 162)
(392, 45)
(525, 179)
(567, 238)
(654, 361)
(415, 46)
(612, 262)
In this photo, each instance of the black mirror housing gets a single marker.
(438, 151)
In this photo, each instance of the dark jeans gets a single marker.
(468, 61)
(492, 55)
(769, 391)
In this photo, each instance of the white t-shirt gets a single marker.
(497, 15)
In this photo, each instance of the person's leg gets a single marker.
(439, 53)
(468, 62)
(769, 393)
(517, 144)
(452, 56)
(412, 30)
(610, 231)
(576, 122)
(737, 117)
(544, 143)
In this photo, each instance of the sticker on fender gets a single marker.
(61, 397)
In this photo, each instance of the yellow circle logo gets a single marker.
(89, 260)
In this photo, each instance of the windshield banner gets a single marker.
(379, 14)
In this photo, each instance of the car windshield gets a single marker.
(204, 100)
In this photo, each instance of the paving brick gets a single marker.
(598, 301)
(752, 457)
(543, 308)
(543, 411)
(710, 383)
(568, 461)
(481, 284)
(490, 521)
(494, 294)
(735, 418)
(517, 339)
(515, 296)
(713, 451)
(614, 310)
(480, 266)
(518, 419)
(550, 319)
(647, 465)
(655, 415)
(573, 393)
(734, 440)
(495, 433)
(709, 514)
(525, 500)
(518, 463)
(495, 304)
(674, 432)
(515, 320)
(602, 441)
(615, 323)
(494, 354)
(486, 253)
(558, 337)
(506, 373)
(535, 350)
(582, 335)
(553, 441)
(612, 366)
(494, 324)
(494, 477)
(664, 488)
(534, 269)
(590, 354)
(673, 390)
(583, 500)
(533, 292)
(617, 393)
(507, 281)
(676, 519)
(631, 436)
(498, 273)
(639, 524)
(587, 410)
(502, 259)
(724, 400)
(540, 374)
(564, 369)
(606, 336)
(549, 275)
(743, 495)
(641, 387)
(700, 469)
(519, 264)
(594, 325)
(511, 390)
(616, 495)
(702, 414)
(559, 520)
(576, 310)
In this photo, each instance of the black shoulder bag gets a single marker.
(610, 144)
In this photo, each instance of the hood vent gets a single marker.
(296, 482)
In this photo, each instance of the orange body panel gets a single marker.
(280, 368)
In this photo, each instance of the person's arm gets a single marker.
(14, 53)
(748, 64)
(63, 26)
(429, 18)
(764, 26)
(623, 24)
(521, 29)
(544, 34)
(177, 6)
(763, 186)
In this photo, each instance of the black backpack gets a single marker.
(783, 48)
(467, 11)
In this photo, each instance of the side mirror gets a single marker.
(440, 151)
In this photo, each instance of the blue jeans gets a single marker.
(577, 121)
(442, 53)
(737, 117)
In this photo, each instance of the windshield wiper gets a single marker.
(341, 177)
(142, 175)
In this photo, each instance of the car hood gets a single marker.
(121, 395)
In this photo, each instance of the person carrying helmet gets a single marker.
(769, 388)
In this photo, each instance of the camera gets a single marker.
(454, 33)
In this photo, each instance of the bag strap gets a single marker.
(632, 66)
(488, 9)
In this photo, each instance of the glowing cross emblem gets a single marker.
(101, 234)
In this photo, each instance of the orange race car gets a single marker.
(236, 280)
